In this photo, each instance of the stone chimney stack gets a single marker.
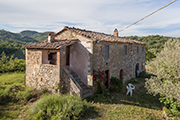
(116, 32)
(51, 37)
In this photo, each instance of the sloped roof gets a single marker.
(57, 44)
(94, 36)
(101, 37)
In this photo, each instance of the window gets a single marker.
(52, 58)
(137, 49)
(125, 50)
(142, 48)
(106, 51)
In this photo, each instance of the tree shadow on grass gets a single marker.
(90, 113)
(140, 97)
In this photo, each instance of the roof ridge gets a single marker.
(99, 36)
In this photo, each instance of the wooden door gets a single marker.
(107, 77)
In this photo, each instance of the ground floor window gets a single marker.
(121, 74)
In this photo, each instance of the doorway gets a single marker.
(137, 70)
(68, 56)
(121, 74)
(107, 78)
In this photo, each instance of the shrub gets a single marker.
(116, 84)
(100, 78)
(13, 65)
(58, 106)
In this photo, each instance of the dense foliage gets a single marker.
(167, 83)
(12, 48)
(58, 107)
(12, 65)
(35, 35)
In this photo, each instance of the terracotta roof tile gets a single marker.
(101, 37)
(57, 44)
(95, 36)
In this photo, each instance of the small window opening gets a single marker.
(137, 49)
(106, 51)
(125, 50)
(142, 48)
(52, 58)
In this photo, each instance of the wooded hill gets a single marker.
(11, 43)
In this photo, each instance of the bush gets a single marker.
(116, 84)
(58, 106)
(100, 78)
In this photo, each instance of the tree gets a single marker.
(167, 83)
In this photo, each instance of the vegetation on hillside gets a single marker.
(11, 65)
(35, 35)
(167, 83)
(11, 43)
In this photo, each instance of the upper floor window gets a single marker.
(52, 57)
(137, 49)
(125, 50)
(106, 51)
(142, 48)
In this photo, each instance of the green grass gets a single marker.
(119, 106)
(114, 106)
(14, 95)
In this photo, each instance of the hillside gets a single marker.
(11, 43)
(35, 35)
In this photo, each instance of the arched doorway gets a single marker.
(121, 74)
(137, 70)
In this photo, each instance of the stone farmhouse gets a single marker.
(71, 55)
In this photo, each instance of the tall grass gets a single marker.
(12, 89)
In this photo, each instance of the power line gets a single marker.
(147, 15)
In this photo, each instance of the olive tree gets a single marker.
(166, 66)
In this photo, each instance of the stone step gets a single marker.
(85, 90)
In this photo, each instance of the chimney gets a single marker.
(116, 32)
(51, 37)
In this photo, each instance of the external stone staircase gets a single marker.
(86, 91)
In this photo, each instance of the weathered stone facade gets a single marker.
(82, 51)
(40, 75)
(117, 60)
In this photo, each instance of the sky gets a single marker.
(95, 15)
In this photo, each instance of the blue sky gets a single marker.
(96, 15)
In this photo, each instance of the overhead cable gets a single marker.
(148, 15)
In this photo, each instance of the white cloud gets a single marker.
(97, 15)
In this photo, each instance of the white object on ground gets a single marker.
(130, 87)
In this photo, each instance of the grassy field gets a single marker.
(119, 106)
(14, 103)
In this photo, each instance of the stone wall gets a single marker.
(117, 60)
(70, 85)
(40, 75)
